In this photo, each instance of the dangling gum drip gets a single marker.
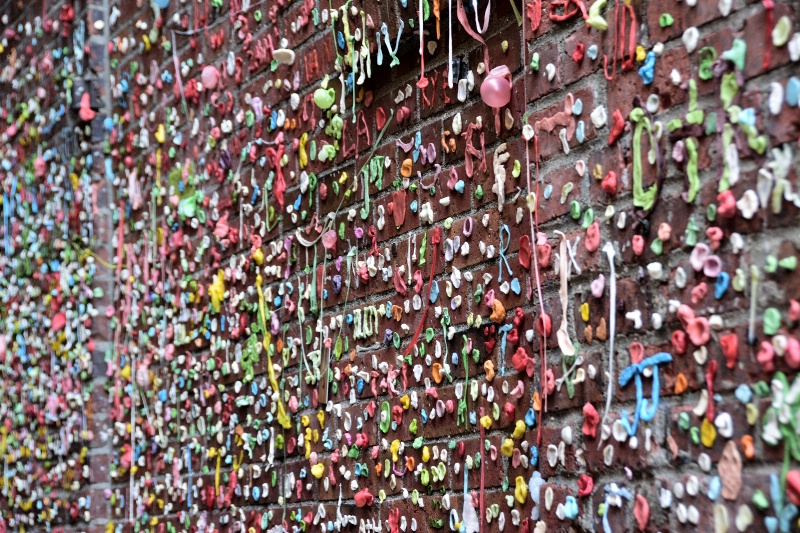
(133, 436)
(365, 51)
(355, 55)
(445, 84)
(437, 7)
(646, 200)
(283, 419)
(711, 372)
(533, 217)
(619, 38)
(483, 478)
(178, 72)
(542, 313)
(198, 19)
(450, 43)
(462, 18)
(423, 81)
(333, 33)
(612, 319)
(349, 56)
(120, 236)
(486, 14)
(435, 240)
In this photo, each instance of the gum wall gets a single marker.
(297, 266)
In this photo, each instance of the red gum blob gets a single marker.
(637, 352)
(397, 414)
(793, 486)
(364, 498)
(609, 183)
(699, 293)
(638, 245)
(590, 421)
(792, 354)
(641, 511)
(766, 356)
(399, 207)
(617, 126)
(714, 234)
(525, 252)
(685, 315)
(794, 310)
(544, 325)
(730, 348)
(727, 204)
(585, 485)
(520, 359)
(593, 237)
(698, 331)
(544, 251)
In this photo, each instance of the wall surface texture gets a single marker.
(292, 266)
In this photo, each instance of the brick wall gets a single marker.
(54, 290)
(339, 318)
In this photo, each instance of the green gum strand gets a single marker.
(695, 115)
(641, 198)
(691, 169)
(728, 90)
(364, 211)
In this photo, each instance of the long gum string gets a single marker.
(534, 221)
(435, 239)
